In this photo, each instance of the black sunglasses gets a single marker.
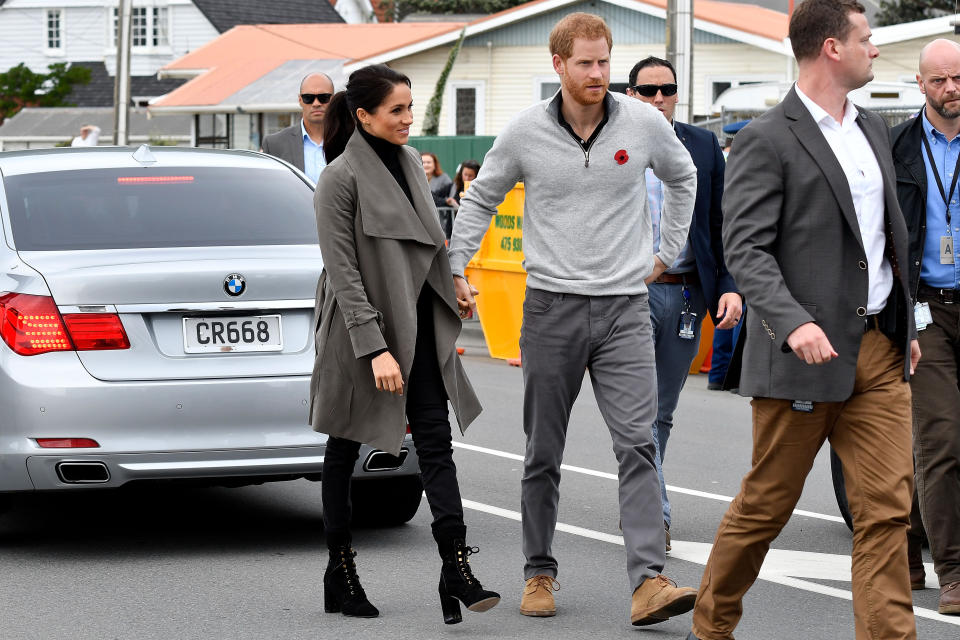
(650, 90)
(324, 98)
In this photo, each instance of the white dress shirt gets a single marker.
(862, 171)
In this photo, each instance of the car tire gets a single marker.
(840, 488)
(387, 501)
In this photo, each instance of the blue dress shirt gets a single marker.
(313, 158)
(932, 273)
(684, 262)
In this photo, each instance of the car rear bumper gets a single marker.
(229, 431)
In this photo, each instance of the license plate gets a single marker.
(230, 334)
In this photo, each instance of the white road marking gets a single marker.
(780, 566)
(613, 476)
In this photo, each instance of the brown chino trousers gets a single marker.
(870, 432)
(936, 437)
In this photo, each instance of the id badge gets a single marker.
(946, 249)
(688, 321)
(922, 315)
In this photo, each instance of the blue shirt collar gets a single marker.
(928, 129)
(306, 136)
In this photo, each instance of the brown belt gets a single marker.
(690, 277)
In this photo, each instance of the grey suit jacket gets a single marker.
(286, 145)
(792, 243)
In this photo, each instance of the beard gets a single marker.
(950, 113)
(581, 94)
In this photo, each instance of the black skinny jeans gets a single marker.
(430, 427)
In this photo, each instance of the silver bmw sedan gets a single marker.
(156, 316)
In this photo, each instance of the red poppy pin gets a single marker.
(621, 156)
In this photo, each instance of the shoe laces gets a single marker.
(463, 562)
(349, 568)
(663, 581)
(544, 582)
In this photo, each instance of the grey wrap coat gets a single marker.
(378, 252)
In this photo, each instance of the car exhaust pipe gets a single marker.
(383, 461)
(83, 472)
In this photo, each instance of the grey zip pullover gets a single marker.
(586, 227)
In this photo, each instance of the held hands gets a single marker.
(465, 293)
(730, 308)
(387, 373)
(658, 269)
(810, 344)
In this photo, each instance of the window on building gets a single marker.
(149, 28)
(161, 27)
(717, 85)
(54, 30)
(466, 113)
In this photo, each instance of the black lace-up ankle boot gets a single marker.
(342, 592)
(457, 582)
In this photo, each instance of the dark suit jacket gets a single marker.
(705, 237)
(793, 245)
(911, 190)
(286, 145)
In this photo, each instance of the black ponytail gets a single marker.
(366, 89)
(338, 126)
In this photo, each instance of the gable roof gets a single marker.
(236, 59)
(226, 14)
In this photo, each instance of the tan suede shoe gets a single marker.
(537, 598)
(657, 599)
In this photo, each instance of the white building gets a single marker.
(41, 32)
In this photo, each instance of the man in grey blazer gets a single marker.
(301, 144)
(816, 242)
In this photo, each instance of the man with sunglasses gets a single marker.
(302, 144)
(698, 279)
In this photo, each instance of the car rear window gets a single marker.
(170, 207)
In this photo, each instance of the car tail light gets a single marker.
(96, 331)
(32, 324)
(67, 443)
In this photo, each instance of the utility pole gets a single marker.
(680, 53)
(121, 86)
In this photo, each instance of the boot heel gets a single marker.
(331, 604)
(449, 605)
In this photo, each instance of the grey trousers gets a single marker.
(562, 335)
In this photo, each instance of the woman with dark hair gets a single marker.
(387, 324)
(439, 181)
(466, 173)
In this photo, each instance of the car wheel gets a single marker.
(840, 488)
(385, 502)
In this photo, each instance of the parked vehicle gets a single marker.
(156, 316)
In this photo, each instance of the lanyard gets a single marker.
(936, 174)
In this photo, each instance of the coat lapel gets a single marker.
(885, 162)
(385, 211)
(296, 147)
(811, 138)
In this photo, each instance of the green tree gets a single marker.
(431, 119)
(898, 11)
(20, 87)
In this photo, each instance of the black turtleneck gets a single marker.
(389, 154)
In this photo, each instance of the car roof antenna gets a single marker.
(144, 156)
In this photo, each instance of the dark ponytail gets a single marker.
(367, 88)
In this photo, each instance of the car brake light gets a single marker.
(67, 443)
(153, 179)
(96, 331)
(31, 324)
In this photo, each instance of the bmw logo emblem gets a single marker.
(234, 284)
